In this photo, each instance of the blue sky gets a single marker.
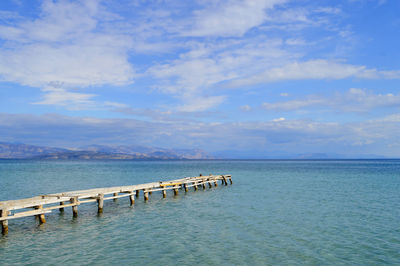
(266, 77)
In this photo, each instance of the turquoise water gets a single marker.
(276, 212)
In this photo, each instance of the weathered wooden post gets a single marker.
(40, 217)
(132, 198)
(215, 183)
(209, 183)
(224, 180)
(195, 185)
(4, 223)
(146, 195)
(61, 204)
(137, 193)
(185, 186)
(115, 194)
(204, 184)
(176, 190)
(230, 180)
(100, 203)
(74, 200)
(164, 193)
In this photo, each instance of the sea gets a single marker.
(277, 212)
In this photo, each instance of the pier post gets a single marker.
(185, 186)
(230, 180)
(132, 198)
(209, 184)
(4, 223)
(74, 200)
(204, 184)
(224, 180)
(176, 191)
(100, 203)
(215, 183)
(61, 204)
(146, 195)
(115, 194)
(195, 185)
(40, 217)
(164, 193)
(137, 193)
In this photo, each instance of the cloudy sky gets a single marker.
(262, 77)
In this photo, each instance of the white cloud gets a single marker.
(245, 108)
(354, 100)
(72, 99)
(232, 18)
(66, 44)
(63, 97)
(315, 69)
(328, 10)
(206, 68)
(294, 104)
(200, 70)
(295, 42)
(115, 105)
(200, 103)
(6, 15)
(390, 118)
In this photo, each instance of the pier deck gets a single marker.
(40, 205)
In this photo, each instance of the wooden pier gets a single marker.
(40, 205)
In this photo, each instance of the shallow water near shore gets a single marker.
(276, 212)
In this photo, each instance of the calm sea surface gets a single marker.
(276, 212)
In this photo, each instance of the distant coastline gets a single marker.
(97, 152)
(131, 152)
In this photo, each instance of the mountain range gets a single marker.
(95, 152)
(132, 152)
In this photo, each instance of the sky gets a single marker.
(255, 78)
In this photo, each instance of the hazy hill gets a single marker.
(19, 151)
(150, 151)
(95, 152)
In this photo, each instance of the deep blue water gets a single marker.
(276, 212)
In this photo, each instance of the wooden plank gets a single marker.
(117, 197)
(61, 206)
(25, 214)
(87, 201)
(170, 184)
(29, 203)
